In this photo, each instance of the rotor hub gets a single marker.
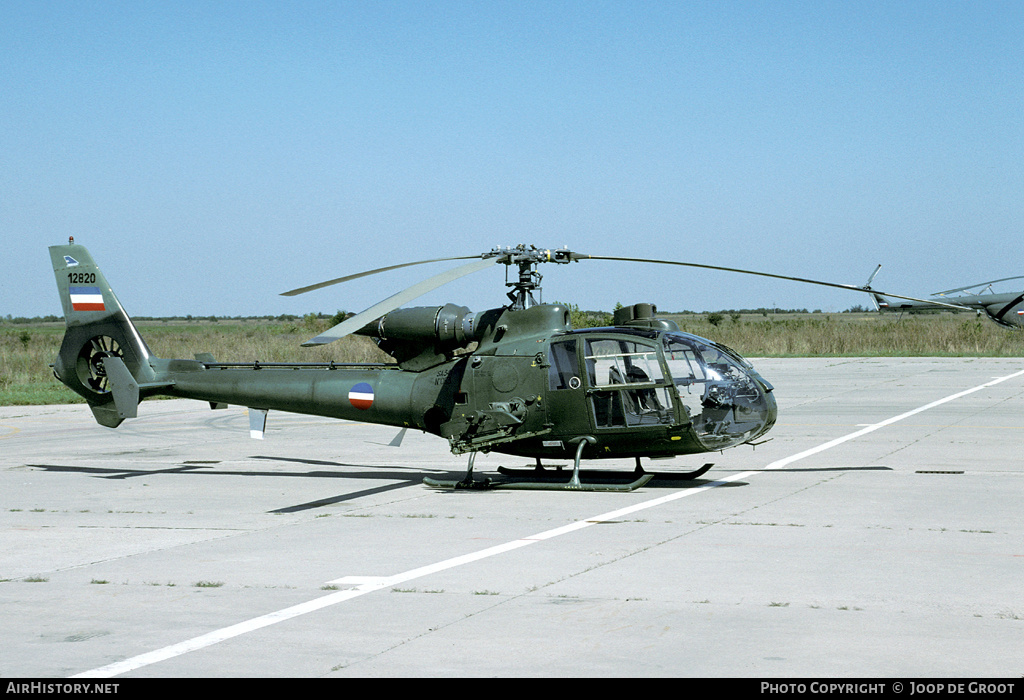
(527, 258)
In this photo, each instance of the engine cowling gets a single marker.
(422, 336)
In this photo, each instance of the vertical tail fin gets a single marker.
(98, 329)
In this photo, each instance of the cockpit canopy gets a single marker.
(727, 400)
(645, 377)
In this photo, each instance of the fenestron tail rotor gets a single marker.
(91, 371)
(526, 258)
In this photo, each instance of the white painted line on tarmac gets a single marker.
(369, 584)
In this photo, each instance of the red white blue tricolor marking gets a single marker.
(86, 299)
(361, 396)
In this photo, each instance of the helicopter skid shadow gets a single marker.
(557, 476)
(660, 482)
(557, 471)
(817, 469)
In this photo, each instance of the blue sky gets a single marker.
(214, 154)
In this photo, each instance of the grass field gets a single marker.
(27, 350)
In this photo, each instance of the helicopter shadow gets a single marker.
(401, 476)
(406, 477)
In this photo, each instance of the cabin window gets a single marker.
(563, 369)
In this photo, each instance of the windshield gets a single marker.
(726, 400)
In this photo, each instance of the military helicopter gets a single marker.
(1006, 309)
(516, 380)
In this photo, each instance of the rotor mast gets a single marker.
(526, 258)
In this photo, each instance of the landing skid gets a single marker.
(541, 479)
(549, 473)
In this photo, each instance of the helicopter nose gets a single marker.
(726, 400)
(770, 408)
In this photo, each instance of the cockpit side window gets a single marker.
(629, 385)
(611, 362)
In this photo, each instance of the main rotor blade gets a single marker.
(393, 302)
(851, 287)
(339, 280)
(867, 285)
(980, 284)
